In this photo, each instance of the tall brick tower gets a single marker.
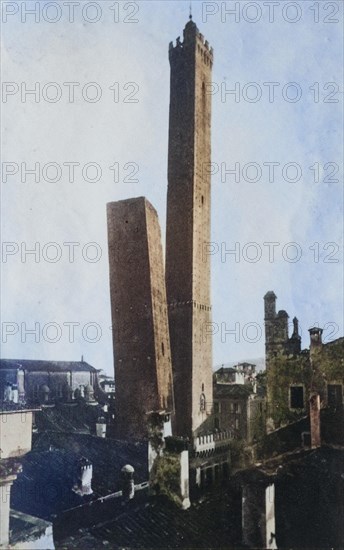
(143, 371)
(188, 230)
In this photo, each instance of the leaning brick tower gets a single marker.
(142, 358)
(188, 230)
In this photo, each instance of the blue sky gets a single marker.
(296, 135)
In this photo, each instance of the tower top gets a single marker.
(191, 37)
(270, 295)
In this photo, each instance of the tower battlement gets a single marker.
(191, 38)
(202, 42)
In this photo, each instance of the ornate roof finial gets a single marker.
(190, 11)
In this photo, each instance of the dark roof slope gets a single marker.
(158, 523)
(45, 485)
(234, 391)
(41, 365)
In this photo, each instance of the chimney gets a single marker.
(84, 477)
(15, 395)
(21, 385)
(128, 487)
(295, 328)
(101, 427)
(270, 305)
(316, 340)
(8, 392)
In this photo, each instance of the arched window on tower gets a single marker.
(202, 402)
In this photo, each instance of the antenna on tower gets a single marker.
(190, 11)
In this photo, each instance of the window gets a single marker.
(216, 407)
(163, 348)
(216, 423)
(235, 407)
(296, 397)
(202, 402)
(35, 392)
(334, 395)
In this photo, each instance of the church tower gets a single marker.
(188, 230)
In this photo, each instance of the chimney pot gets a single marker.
(316, 336)
(128, 487)
(84, 477)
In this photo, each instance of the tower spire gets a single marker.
(190, 11)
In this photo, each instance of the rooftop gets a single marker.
(26, 529)
(44, 487)
(157, 523)
(41, 365)
(234, 391)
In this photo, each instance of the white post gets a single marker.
(184, 479)
(270, 517)
(5, 497)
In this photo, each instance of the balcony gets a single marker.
(209, 443)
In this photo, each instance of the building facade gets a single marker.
(242, 373)
(188, 229)
(277, 330)
(37, 381)
(297, 378)
(238, 409)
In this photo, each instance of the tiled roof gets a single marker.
(25, 528)
(158, 523)
(234, 391)
(45, 485)
(223, 370)
(52, 366)
(338, 342)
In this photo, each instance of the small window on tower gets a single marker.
(162, 348)
(202, 199)
(296, 397)
(202, 402)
